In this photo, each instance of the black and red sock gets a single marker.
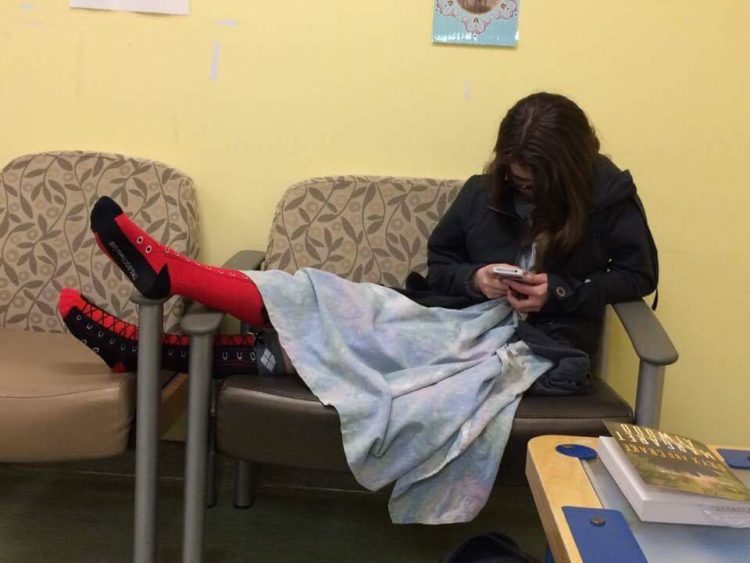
(158, 271)
(116, 342)
(113, 340)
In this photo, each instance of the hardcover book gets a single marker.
(671, 478)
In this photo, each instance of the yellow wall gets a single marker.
(342, 86)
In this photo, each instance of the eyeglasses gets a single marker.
(513, 182)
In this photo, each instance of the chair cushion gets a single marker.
(59, 401)
(278, 420)
(575, 415)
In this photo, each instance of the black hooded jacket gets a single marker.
(615, 261)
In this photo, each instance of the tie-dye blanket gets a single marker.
(426, 396)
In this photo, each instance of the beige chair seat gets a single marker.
(59, 401)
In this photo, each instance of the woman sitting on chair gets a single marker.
(426, 385)
(548, 204)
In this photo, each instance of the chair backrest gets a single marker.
(363, 228)
(46, 243)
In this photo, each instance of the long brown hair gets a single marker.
(551, 136)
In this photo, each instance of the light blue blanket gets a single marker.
(426, 396)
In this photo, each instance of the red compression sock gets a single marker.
(158, 271)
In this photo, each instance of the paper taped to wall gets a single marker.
(177, 7)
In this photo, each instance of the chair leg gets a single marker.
(212, 475)
(244, 484)
(649, 394)
(199, 396)
(244, 474)
(150, 316)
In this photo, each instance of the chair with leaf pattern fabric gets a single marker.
(373, 229)
(58, 400)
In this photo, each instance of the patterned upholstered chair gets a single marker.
(58, 400)
(371, 229)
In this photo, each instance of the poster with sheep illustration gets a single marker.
(476, 22)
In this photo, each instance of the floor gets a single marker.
(82, 512)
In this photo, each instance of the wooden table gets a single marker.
(558, 480)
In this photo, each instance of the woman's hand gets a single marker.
(489, 283)
(530, 295)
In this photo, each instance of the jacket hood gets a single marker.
(611, 185)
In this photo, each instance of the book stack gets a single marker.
(673, 479)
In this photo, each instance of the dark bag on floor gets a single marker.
(492, 547)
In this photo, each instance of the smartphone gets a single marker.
(510, 272)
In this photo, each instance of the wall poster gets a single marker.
(476, 22)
